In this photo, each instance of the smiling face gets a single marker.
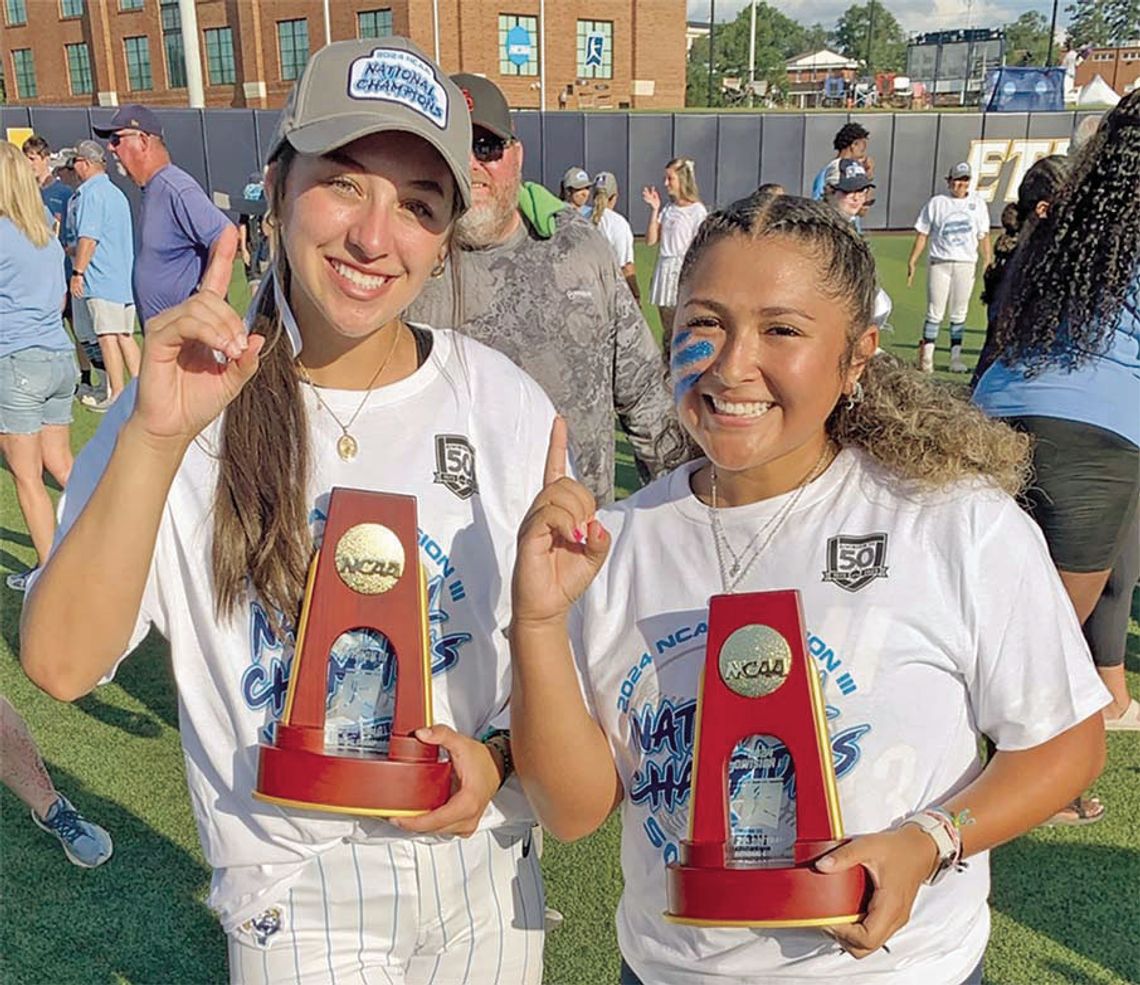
(579, 196)
(850, 203)
(362, 229)
(758, 357)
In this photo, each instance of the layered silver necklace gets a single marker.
(733, 572)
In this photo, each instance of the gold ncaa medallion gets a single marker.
(754, 661)
(369, 558)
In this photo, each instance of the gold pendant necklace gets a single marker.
(347, 447)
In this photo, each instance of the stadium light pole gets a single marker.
(1052, 35)
(752, 55)
(191, 53)
(712, 44)
(328, 23)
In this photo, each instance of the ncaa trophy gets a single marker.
(757, 680)
(363, 622)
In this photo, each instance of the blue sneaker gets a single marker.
(84, 843)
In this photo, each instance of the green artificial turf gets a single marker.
(1066, 901)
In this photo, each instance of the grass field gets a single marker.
(1066, 902)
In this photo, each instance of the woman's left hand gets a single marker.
(474, 781)
(898, 861)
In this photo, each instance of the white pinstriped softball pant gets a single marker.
(404, 913)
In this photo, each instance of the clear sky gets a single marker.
(913, 15)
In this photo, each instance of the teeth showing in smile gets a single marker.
(738, 408)
(367, 281)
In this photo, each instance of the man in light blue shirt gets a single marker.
(100, 283)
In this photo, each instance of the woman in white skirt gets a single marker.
(675, 226)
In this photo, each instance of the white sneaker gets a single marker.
(956, 364)
(98, 406)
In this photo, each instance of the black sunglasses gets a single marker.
(487, 147)
(117, 138)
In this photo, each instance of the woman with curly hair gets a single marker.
(1035, 197)
(889, 504)
(1067, 372)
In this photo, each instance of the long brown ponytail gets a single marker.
(261, 532)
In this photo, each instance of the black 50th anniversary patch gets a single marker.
(854, 562)
(455, 464)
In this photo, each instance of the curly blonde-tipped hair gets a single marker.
(918, 429)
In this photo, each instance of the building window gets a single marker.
(71, 8)
(518, 45)
(374, 24)
(293, 46)
(138, 64)
(595, 49)
(220, 56)
(16, 12)
(24, 72)
(79, 68)
(131, 4)
(172, 44)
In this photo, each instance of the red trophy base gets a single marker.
(774, 894)
(352, 781)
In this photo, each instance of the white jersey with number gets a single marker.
(466, 434)
(954, 225)
(931, 618)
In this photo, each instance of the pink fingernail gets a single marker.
(579, 536)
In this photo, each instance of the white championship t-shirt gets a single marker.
(679, 224)
(954, 226)
(466, 434)
(931, 618)
(615, 227)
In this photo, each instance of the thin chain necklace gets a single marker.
(733, 574)
(346, 445)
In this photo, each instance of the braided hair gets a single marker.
(1069, 280)
(918, 429)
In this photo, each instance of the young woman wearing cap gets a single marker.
(674, 226)
(575, 187)
(954, 223)
(204, 495)
(615, 227)
(932, 615)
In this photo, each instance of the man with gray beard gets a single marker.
(541, 285)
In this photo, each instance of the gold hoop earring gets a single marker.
(439, 268)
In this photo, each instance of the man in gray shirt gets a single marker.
(541, 285)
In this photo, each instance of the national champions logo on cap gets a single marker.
(399, 77)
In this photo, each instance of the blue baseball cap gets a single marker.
(132, 117)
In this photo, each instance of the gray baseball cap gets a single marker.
(576, 178)
(350, 89)
(90, 150)
(959, 171)
(604, 181)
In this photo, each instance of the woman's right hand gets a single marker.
(561, 547)
(182, 386)
(650, 197)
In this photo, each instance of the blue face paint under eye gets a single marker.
(684, 385)
(694, 353)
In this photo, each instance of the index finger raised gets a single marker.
(555, 467)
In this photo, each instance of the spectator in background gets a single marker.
(954, 223)
(850, 143)
(675, 225)
(23, 772)
(185, 242)
(615, 227)
(253, 239)
(848, 186)
(542, 287)
(1067, 371)
(100, 283)
(54, 192)
(37, 364)
(575, 188)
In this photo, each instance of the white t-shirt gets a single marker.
(466, 404)
(679, 225)
(615, 228)
(954, 226)
(931, 618)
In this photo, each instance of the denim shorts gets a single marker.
(36, 389)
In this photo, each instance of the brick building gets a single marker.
(1119, 67)
(597, 53)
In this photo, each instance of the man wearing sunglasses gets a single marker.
(185, 242)
(540, 284)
